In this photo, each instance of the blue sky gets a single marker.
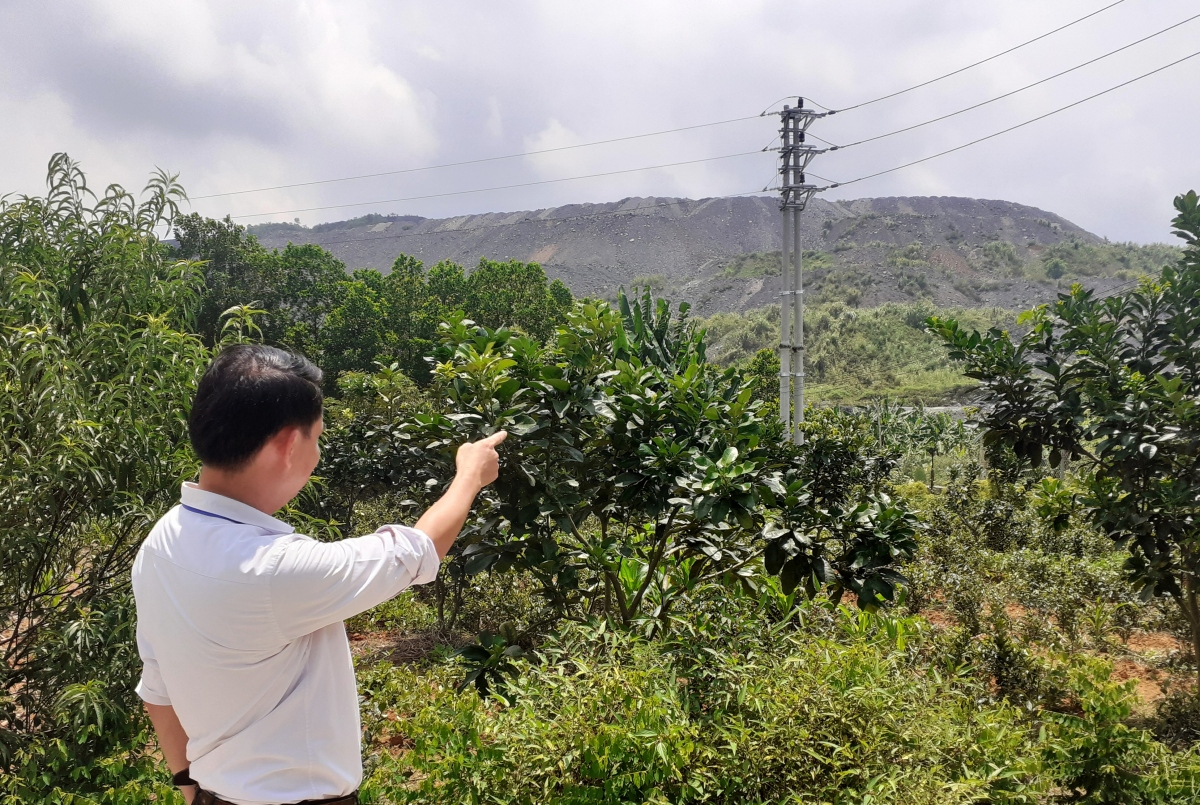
(242, 95)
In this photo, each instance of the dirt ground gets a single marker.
(1139, 658)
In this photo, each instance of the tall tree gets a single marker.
(355, 334)
(237, 269)
(412, 312)
(1115, 382)
(97, 367)
(296, 287)
(515, 294)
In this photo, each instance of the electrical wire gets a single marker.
(981, 61)
(618, 139)
(1119, 289)
(821, 139)
(498, 187)
(1015, 91)
(1019, 125)
(474, 161)
(581, 216)
(768, 110)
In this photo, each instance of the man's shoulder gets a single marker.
(213, 548)
(159, 536)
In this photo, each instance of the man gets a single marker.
(247, 673)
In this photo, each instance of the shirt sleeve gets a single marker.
(150, 688)
(319, 583)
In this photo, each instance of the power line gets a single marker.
(1015, 91)
(485, 190)
(1019, 125)
(981, 61)
(475, 161)
(1119, 289)
(581, 216)
(768, 111)
(615, 139)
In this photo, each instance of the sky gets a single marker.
(237, 96)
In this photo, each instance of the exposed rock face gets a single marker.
(873, 250)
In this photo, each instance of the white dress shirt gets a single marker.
(239, 626)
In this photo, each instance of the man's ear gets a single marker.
(286, 442)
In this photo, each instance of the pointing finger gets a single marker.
(495, 438)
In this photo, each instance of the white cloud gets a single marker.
(240, 95)
(430, 52)
(495, 120)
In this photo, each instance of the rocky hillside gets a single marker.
(721, 254)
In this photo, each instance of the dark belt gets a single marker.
(209, 798)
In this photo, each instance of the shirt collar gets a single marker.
(230, 509)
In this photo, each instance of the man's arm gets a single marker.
(319, 583)
(172, 740)
(477, 465)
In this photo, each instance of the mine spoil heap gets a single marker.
(688, 249)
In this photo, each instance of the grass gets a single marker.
(767, 264)
(859, 354)
(1120, 260)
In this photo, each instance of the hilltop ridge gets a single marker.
(720, 253)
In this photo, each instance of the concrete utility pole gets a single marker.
(794, 191)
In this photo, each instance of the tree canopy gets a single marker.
(352, 322)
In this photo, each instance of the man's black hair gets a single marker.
(249, 393)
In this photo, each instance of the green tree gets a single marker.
(308, 292)
(355, 334)
(560, 300)
(935, 434)
(631, 457)
(97, 366)
(635, 470)
(762, 371)
(515, 294)
(296, 287)
(829, 522)
(398, 314)
(1114, 382)
(237, 269)
(412, 313)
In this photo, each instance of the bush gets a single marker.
(613, 718)
(1099, 759)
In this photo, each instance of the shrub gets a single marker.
(1099, 759)
(782, 717)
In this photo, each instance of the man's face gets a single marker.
(310, 446)
(305, 455)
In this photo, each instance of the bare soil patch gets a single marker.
(1159, 642)
(401, 648)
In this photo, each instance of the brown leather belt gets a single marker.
(209, 798)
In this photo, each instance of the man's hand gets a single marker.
(478, 465)
(478, 462)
